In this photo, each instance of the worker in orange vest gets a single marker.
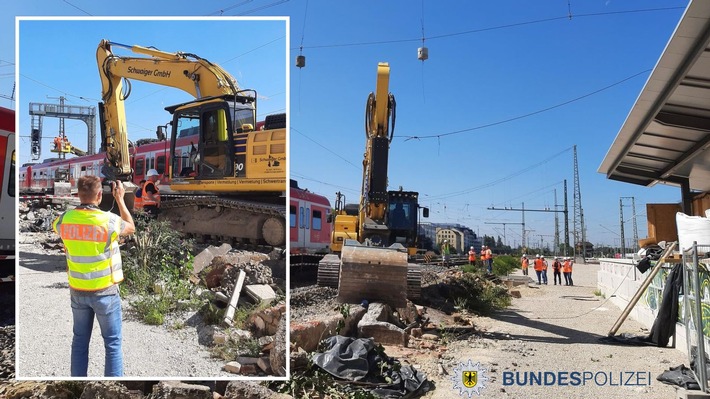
(151, 194)
(545, 265)
(567, 271)
(471, 256)
(138, 197)
(524, 263)
(556, 270)
(539, 267)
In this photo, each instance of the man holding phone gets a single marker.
(90, 238)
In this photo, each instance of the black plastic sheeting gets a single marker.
(361, 361)
(680, 376)
(664, 325)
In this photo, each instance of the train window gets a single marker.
(307, 221)
(11, 177)
(317, 220)
(302, 218)
(140, 163)
(292, 216)
(160, 166)
(83, 168)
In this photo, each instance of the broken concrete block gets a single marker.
(264, 365)
(378, 312)
(220, 338)
(263, 341)
(244, 360)
(251, 390)
(515, 294)
(204, 258)
(260, 292)
(382, 332)
(177, 389)
(233, 367)
(248, 369)
(218, 296)
(416, 332)
(430, 337)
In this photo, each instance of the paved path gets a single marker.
(556, 328)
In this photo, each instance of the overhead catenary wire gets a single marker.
(529, 114)
(505, 26)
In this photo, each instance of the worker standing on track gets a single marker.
(151, 194)
(524, 264)
(90, 238)
(556, 269)
(567, 270)
(489, 260)
(471, 257)
(445, 253)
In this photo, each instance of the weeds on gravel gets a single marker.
(475, 294)
(158, 255)
(316, 383)
(232, 349)
(505, 264)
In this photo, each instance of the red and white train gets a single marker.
(309, 225)
(7, 195)
(39, 178)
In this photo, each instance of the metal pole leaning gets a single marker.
(642, 289)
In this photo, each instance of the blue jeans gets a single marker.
(107, 310)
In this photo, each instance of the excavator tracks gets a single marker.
(227, 218)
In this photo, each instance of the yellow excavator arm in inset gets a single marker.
(188, 72)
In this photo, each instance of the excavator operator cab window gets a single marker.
(399, 214)
(214, 144)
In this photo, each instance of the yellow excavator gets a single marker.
(232, 183)
(372, 240)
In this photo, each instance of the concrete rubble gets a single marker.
(216, 269)
(137, 390)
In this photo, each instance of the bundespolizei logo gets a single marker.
(469, 378)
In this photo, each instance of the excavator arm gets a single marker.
(379, 128)
(188, 72)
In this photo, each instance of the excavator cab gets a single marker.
(216, 121)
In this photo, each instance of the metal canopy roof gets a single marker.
(666, 136)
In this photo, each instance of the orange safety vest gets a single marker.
(472, 256)
(138, 201)
(539, 265)
(489, 254)
(526, 263)
(567, 267)
(556, 265)
(145, 200)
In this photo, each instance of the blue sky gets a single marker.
(49, 70)
(523, 83)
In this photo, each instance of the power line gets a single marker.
(222, 11)
(506, 26)
(325, 148)
(515, 118)
(80, 9)
(508, 177)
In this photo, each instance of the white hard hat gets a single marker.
(471, 246)
(538, 255)
(152, 172)
(446, 240)
(525, 256)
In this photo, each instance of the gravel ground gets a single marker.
(555, 328)
(44, 328)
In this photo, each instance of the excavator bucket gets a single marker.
(374, 274)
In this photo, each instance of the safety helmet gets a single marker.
(525, 256)
(152, 172)
(537, 256)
